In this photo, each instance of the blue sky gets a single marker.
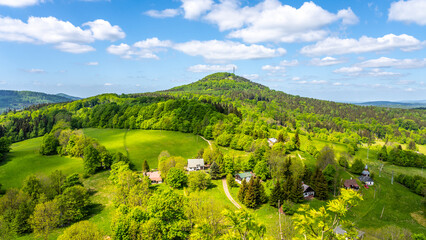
(335, 50)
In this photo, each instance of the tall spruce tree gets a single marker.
(307, 175)
(250, 194)
(145, 166)
(259, 192)
(321, 191)
(286, 187)
(276, 194)
(242, 191)
(297, 139)
(296, 193)
(215, 171)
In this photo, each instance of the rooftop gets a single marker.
(192, 163)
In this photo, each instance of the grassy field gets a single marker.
(24, 159)
(148, 144)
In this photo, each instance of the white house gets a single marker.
(195, 164)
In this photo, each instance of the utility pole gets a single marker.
(279, 217)
(233, 70)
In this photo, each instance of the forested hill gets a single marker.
(22, 99)
(284, 107)
(223, 106)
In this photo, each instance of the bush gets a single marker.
(176, 178)
(198, 180)
(230, 180)
(49, 145)
(358, 166)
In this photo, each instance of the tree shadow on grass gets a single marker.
(93, 210)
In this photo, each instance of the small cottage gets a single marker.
(365, 177)
(195, 164)
(272, 141)
(367, 180)
(155, 177)
(239, 177)
(351, 184)
(308, 192)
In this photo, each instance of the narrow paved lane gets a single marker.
(225, 188)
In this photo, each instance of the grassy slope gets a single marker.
(24, 159)
(148, 144)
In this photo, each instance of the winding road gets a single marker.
(225, 188)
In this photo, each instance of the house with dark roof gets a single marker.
(367, 180)
(351, 184)
(195, 164)
(239, 177)
(365, 177)
(308, 192)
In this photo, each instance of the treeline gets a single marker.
(416, 184)
(401, 157)
(67, 142)
(42, 204)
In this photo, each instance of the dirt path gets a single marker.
(225, 188)
(210, 144)
(300, 156)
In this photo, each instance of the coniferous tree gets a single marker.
(280, 137)
(321, 191)
(145, 166)
(286, 188)
(307, 175)
(250, 194)
(297, 139)
(215, 171)
(242, 191)
(383, 154)
(296, 193)
(286, 168)
(259, 192)
(276, 194)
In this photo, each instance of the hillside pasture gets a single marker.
(142, 145)
(24, 159)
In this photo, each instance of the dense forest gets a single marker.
(17, 100)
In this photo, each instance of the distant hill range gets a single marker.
(418, 104)
(22, 99)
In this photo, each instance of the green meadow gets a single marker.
(143, 145)
(24, 159)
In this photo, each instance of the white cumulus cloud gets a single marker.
(271, 21)
(92, 64)
(392, 62)
(212, 68)
(349, 70)
(74, 47)
(326, 61)
(166, 13)
(272, 68)
(411, 11)
(62, 34)
(103, 30)
(142, 49)
(195, 8)
(215, 50)
(338, 46)
(20, 3)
